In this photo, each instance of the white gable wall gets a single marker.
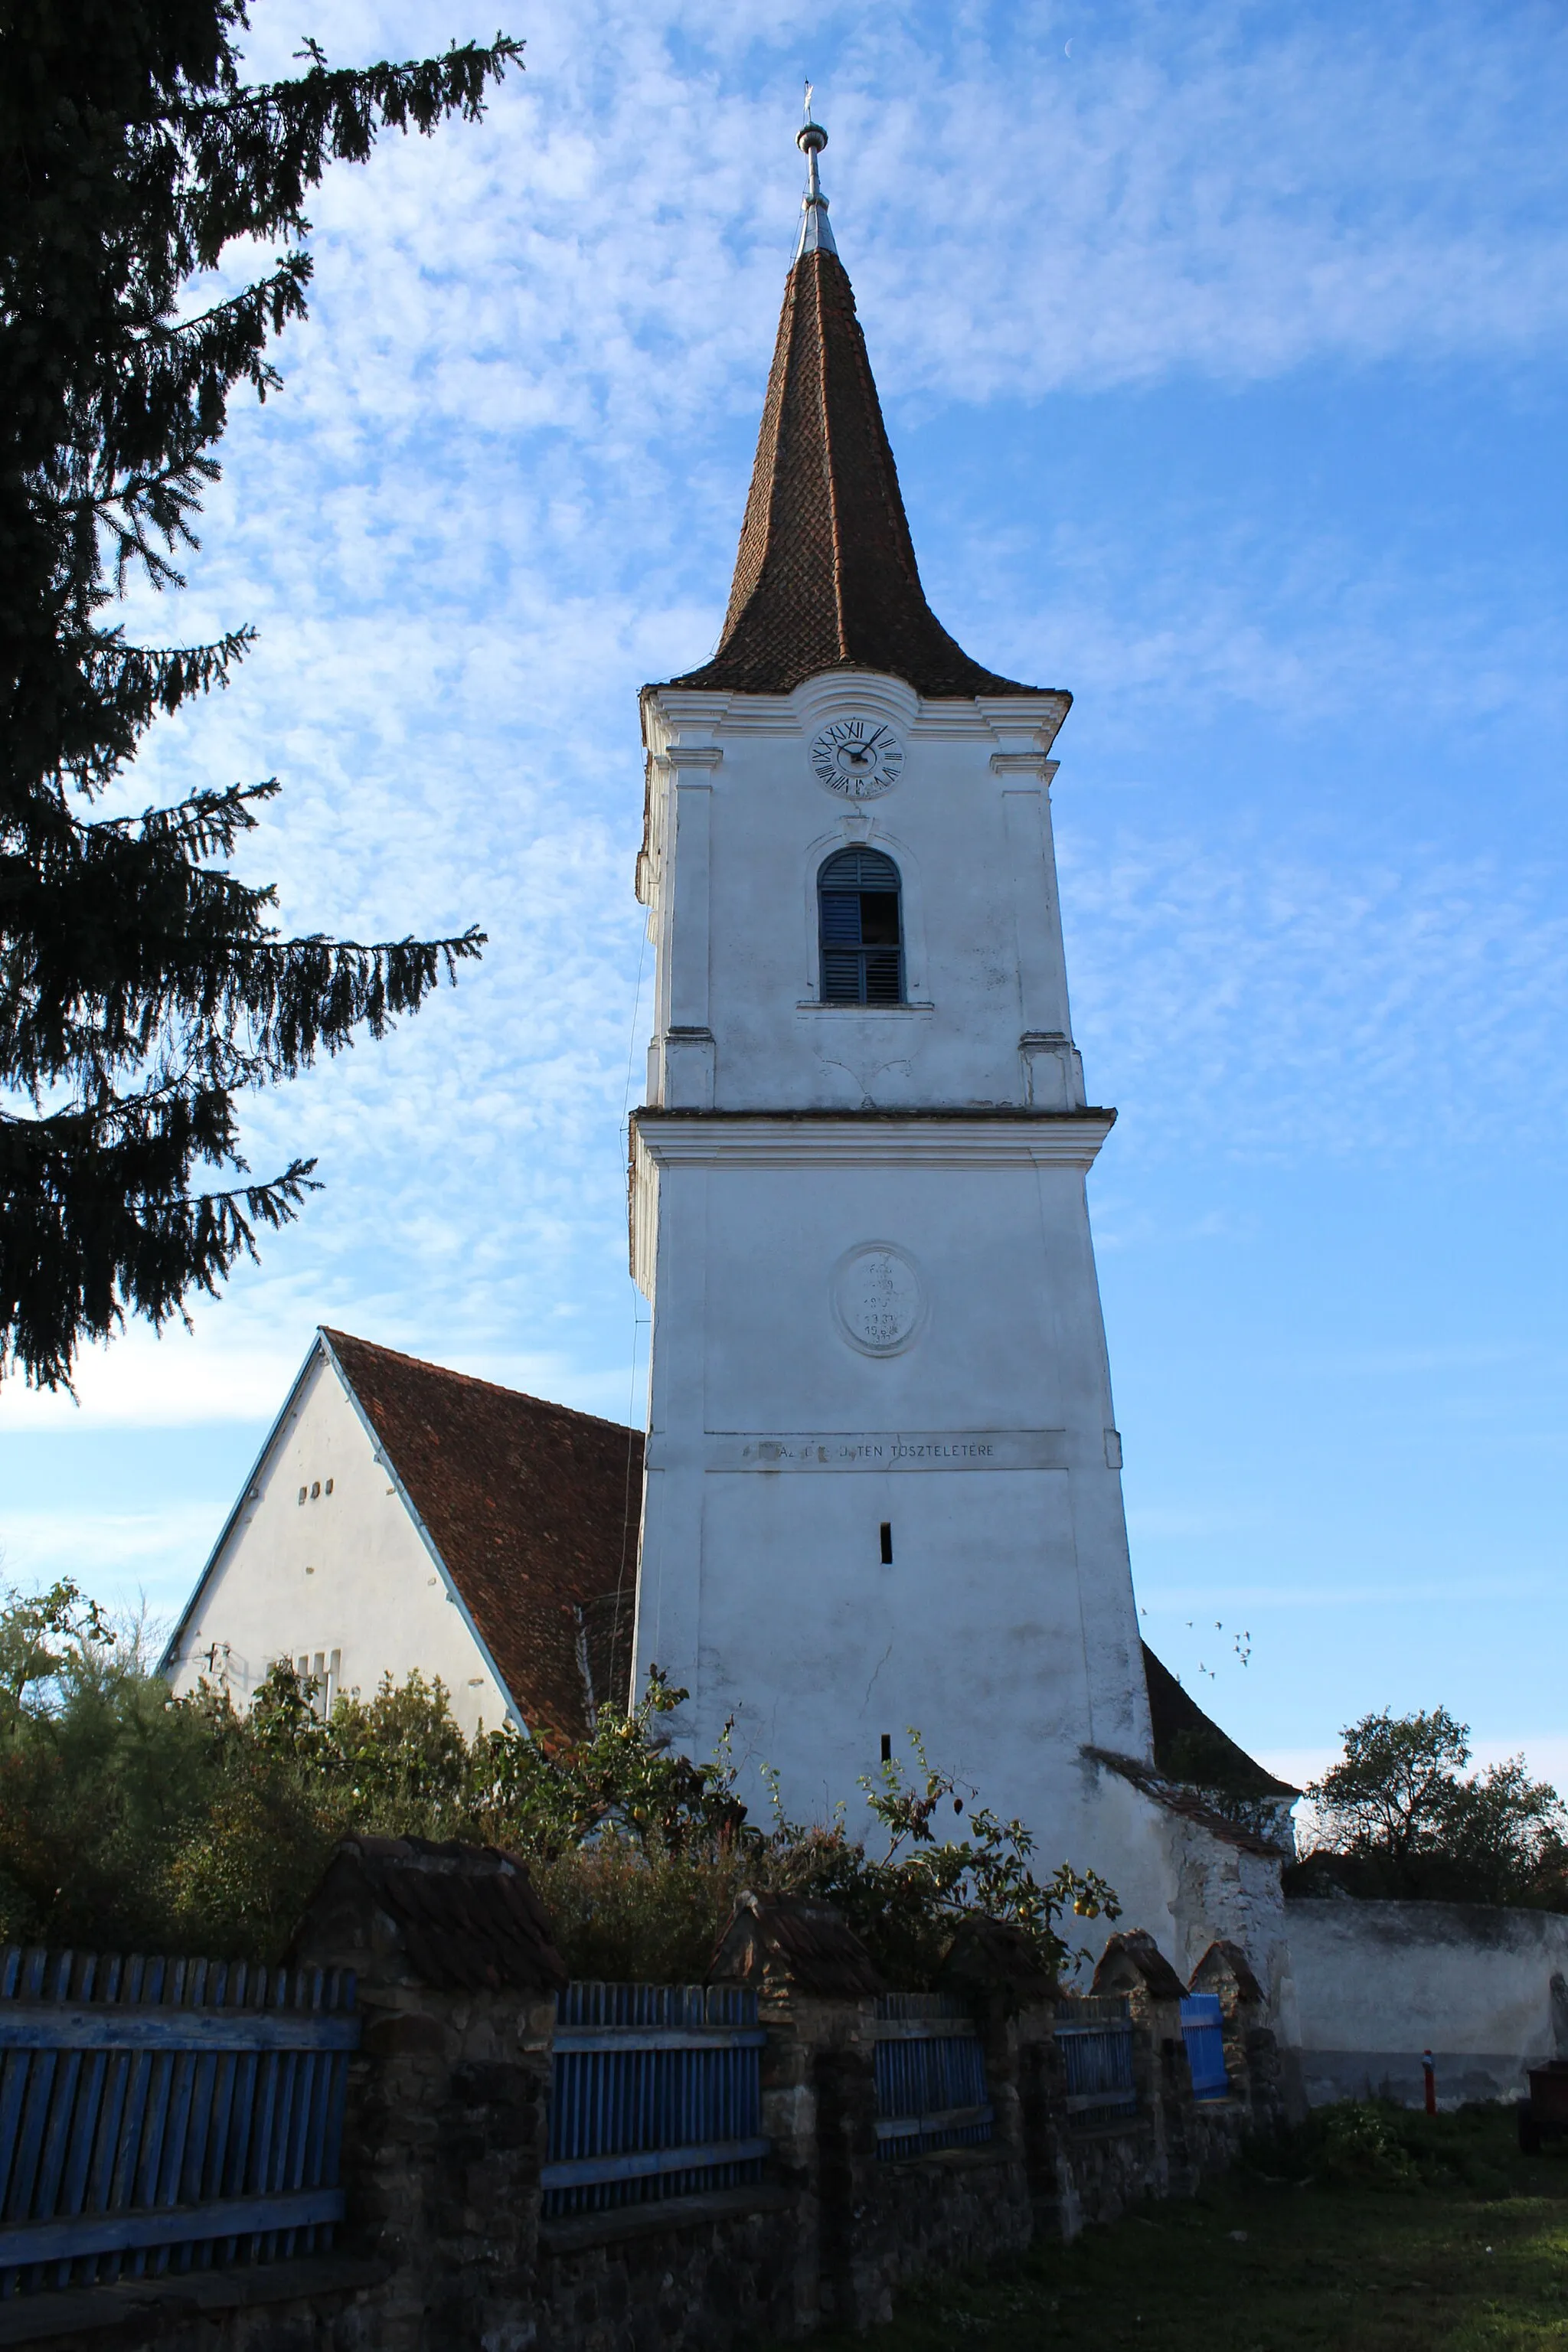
(346, 1572)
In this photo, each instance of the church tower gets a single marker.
(882, 1473)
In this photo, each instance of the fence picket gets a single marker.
(193, 2163)
(1203, 2032)
(150, 2121)
(930, 2075)
(656, 2093)
(1094, 2036)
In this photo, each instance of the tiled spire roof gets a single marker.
(826, 577)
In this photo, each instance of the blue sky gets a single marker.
(1223, 354)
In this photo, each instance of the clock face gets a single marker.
(857, 758)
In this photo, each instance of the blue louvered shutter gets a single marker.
(861, 930)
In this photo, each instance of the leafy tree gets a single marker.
(142, 984)
(1400, 1817)
(1503, 1838)
(100, 1775)
(1389, 1797)
(40, 1634)
(624, 1781)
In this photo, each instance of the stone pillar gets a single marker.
(447, 2110)
(854, 2281)
(993, 1964)
(816, 1988)
(1041, 2090)
(1251, 2050)
(1133, 1965)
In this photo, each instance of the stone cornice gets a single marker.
(1023, 724)
(921, 1138)
(688, 755)
(1023, 764)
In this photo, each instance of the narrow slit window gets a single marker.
(886, 1747)
(887, 1544)
(862, 931)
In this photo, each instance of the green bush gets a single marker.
(131, 1818)
(1373, 2144)
(1362, 2145)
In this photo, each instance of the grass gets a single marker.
(1372, 2230)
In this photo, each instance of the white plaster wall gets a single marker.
(1114, 1828)
(346, 1572)
(739, 827)
(1005, 1627)
(1221, 1889)
(1375, 1984)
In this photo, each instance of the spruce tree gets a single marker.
(143, 985)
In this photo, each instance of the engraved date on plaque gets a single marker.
(878, 1298)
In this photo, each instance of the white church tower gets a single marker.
(883, 1472)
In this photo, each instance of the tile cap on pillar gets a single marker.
(1134, 1963)
(1225, 1970)
(458, 1918)
(788, 1938)
(994, 1962)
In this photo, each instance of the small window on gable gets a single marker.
(862, 933)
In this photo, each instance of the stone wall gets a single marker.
(444, 2248)
(722, 2271)
(1375, 1984)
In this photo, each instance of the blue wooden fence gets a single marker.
(1203, 2030)
(657, 2092)
(930, 2076)
(166, 2115)
(1094, 2035)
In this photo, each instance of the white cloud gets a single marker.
(139, 1564)
(1324, 1001)
(1231, 192)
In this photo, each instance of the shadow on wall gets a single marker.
(1377, 1985)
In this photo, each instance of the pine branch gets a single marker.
(142, 985)
(91, 1232)
(205, 824)
(171, 390)
(160, 678)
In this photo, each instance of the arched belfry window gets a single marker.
(861, 931)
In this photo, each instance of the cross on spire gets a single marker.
(815, 234)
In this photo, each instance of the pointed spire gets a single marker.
(826, 577)
(815, 234)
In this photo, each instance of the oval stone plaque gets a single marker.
(878, 1298)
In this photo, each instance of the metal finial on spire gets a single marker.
(815, 236)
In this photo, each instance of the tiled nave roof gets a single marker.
(534, 1509)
